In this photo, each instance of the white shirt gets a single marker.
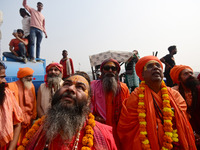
(26, 25)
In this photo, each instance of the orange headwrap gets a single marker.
(176, 70)
(23, 72)
(142, 62)
(54, 64)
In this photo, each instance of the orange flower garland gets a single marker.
(170, 134)
(30, 133)
(87, 140)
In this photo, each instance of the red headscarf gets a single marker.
(142, 62)
(110, 60)
(54, 64)
(175, 72)
(23, 72)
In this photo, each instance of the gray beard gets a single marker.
(65, 121)
(54, 82)
(110, 84)
(27, 84)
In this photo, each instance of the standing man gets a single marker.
(68, 67)
(132, 79)
(10, 114)
(37, 27)
(69, 124)
(108, 95)
(26, 25)
(17, 47)
(24, 91)
(53, 81)
(189, 87)
(169, 62)
(154, 116)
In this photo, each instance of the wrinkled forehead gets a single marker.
(110, 63)
(78, 79)
(186, 70)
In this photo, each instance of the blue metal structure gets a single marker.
(13, 67)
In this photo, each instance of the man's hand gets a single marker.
(15, 34)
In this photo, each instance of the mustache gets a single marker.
(109, 74)
(69, 94)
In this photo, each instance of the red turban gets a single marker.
(23, 72)
(176, 70)
(142, 62)
(110, 60)
(54, 64)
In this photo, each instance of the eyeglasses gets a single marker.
(107, 68)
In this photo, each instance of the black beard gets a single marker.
(191, 82)
(65, 120)
(2, 93)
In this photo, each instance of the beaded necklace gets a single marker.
(170, 134)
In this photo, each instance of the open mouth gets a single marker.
(157, 73)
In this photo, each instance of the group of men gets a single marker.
(33, 24)
(102, 114)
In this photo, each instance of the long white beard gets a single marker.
(27, 84)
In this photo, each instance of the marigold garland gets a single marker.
(170, 134)
(87, 140)
(30, 133)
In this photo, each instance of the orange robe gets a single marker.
(128, 125)
(110, 100)
(10, 114)
(27, 101)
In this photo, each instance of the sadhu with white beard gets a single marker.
(24, 91)
(53, 81)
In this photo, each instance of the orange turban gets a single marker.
(142, 62)
(54, 64)
(23, 72)
(176, 70)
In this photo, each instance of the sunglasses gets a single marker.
(107, 68)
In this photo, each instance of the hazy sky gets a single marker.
(87, 27)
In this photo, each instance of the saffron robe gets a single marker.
(128, 125)
(107, 105)
(27, 102)
(103, 140)
(10, 114)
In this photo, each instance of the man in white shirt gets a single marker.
(26, 26)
